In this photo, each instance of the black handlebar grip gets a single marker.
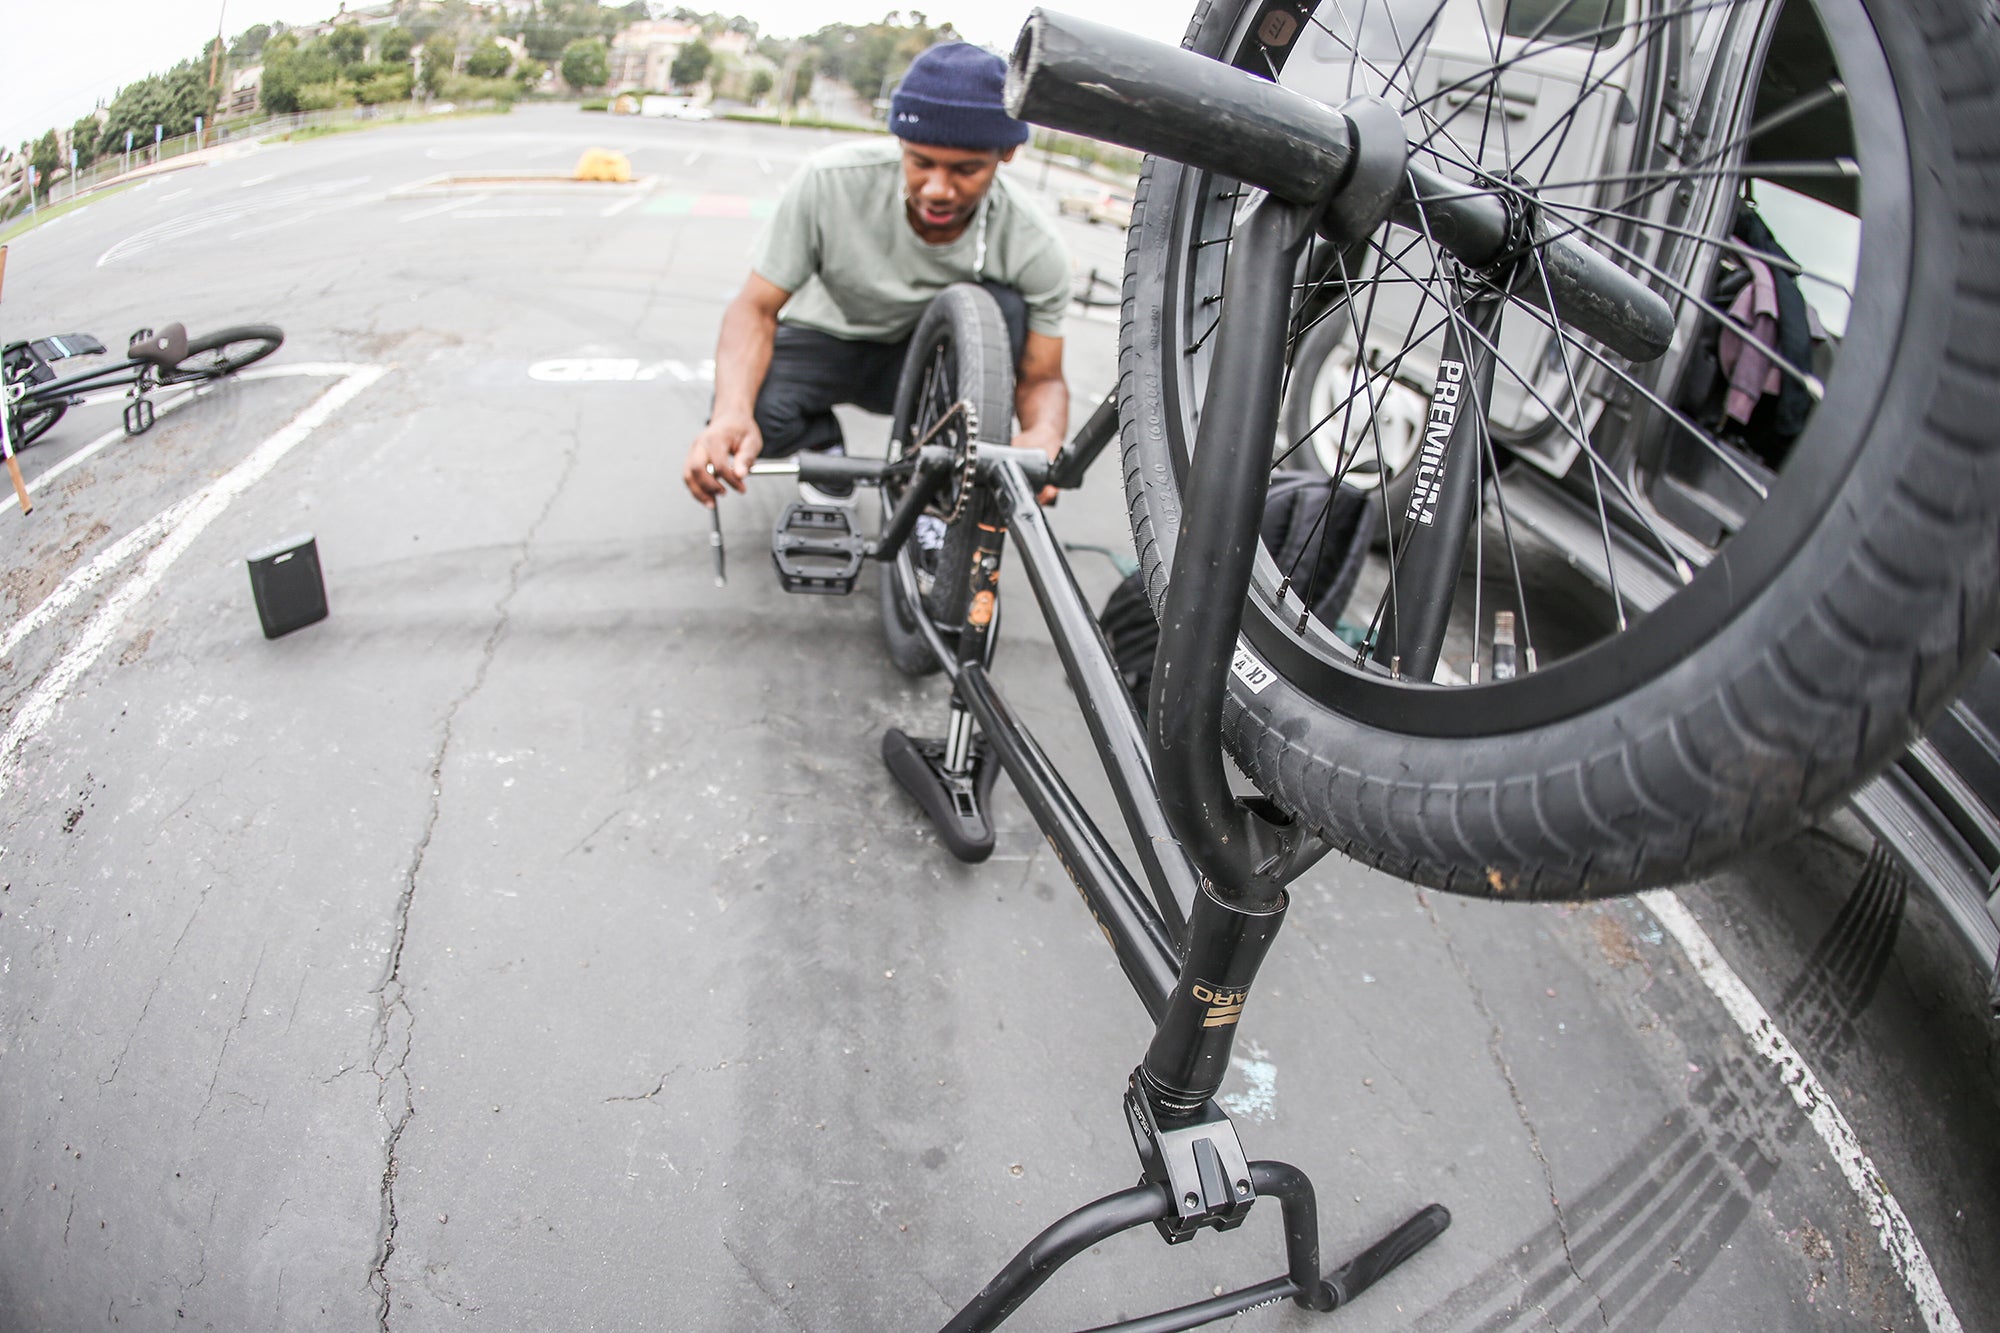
(1089, 78)
(1375, 1262)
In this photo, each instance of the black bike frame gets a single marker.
(1216, 864)
(141, 373)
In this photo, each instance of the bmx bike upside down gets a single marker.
(1776, 621)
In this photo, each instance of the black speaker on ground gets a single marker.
(285, 580)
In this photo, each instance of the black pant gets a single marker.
(812, 372)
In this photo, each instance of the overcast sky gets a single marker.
(59, 57)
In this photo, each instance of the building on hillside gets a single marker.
(246, 86)
(643, 53)
(370, 17)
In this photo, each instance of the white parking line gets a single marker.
(258, 180)
(1892, 1226)
(308, 216)
(175, 228)
(185, 189)
(509, 213)
(161, 406)
(178, 526)
(445, 207)
(692, 158)
(613, 210)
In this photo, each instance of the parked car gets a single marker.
(673, 108)
(1098, 205)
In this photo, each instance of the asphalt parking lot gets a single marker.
(539, 942)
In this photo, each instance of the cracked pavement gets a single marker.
(539, 941)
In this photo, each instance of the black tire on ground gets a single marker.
(35, 422)
(1799, 661)
(959, 353)
(225, 352)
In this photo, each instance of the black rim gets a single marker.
(1678, 251)
(34, 424)
(211, 362)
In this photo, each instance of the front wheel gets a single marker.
(225, 353)
(35, 422)
(1689, 614)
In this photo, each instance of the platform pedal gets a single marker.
(138, 416)
(816, 549)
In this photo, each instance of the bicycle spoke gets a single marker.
(1582, 167)
(1578, 435)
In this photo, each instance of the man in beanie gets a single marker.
(866, 235)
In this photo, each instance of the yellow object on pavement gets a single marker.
(601, 164)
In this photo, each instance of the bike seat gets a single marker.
(164, 348)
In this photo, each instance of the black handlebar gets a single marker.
(1089, 78)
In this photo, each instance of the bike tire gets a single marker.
(959, 353)
(1801, 659)
(35, 422)
(225, 352)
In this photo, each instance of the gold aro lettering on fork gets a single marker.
(1224, 1006)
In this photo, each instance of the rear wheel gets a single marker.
(225, 352)
(957, 388)
(1706, 633)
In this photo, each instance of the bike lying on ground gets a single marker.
(37, 394)
(1776, 615)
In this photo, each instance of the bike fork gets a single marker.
(1193, 1173)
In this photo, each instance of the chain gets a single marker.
(968, 456)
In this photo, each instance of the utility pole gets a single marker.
(214, 61)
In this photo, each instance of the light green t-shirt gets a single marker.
(842, 244)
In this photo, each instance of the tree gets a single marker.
(171, 101)
(585, 63)
(347, 43)
(529, 73)
(395, 46)
(555, 24)
(249, 43)
(384, 87)
(439, 54)
(489, 60)
(690, 63)
(761, 83)
(44, 159)
(323, 97)
(83, 139)
(802, 79)
(870, 56)
(289, 66)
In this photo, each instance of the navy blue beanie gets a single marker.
(950, 97)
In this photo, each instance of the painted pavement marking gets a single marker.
(1892, 1225)
(177, 528)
